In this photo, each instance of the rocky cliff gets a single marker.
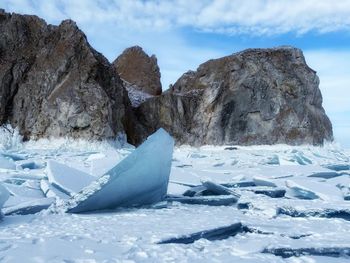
(53, 83)
(258, 96)
(139, 70)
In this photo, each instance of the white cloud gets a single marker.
(259, 17)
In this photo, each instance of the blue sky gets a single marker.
(184, 34)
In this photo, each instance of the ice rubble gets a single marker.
(141, 178)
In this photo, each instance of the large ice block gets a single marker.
(141, 178)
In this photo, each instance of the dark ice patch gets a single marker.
(323, 213)
(27, 208)
(337, 252)
(220, 189)
(184, 166)
(273, 192)
(325, 175)
(212, 234)
(230, 148)
(338, 167)
(239, 184)
(204, 200)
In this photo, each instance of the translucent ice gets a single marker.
(4, 195)
(219, 189)
(300, 192)
(67, 179)
(7, 163)
(141, 178)
(30, 207)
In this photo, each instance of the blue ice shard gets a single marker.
(140, 179)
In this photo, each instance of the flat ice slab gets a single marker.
(6, 163)
(141, 178)
(30, 207)
(67, 179)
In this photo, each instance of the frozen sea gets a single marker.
(309, 223)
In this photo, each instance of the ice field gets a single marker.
(223, 204)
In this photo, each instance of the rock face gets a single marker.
(53, 83)
(139, 70)
(258, 96)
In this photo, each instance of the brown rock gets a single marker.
(53, 83)
(139, 70)
(258, 96)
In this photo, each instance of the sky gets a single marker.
(183, 34)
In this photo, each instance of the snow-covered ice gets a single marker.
(316, 230)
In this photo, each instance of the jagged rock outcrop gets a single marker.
(53, 83)
(258, 96)
(140, 71)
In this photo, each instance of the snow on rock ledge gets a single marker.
(141, 178)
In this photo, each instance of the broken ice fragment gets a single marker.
(28, 165)
(199, 190)
(4, 195)
(67, 179)
(271, 192)
(300, 192)
(274, 160)
(345, 191)
(139, 179)
(323, 213)
(287, 252)
(244, 205)
(325, 175)
(13, 156)
(50, 191)
(219, 189)
(258, 181)
(30, 207)
(205, 200)
(239, 184)
(24, 190)
(6, 163)
(212, 234)
(338, 167)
